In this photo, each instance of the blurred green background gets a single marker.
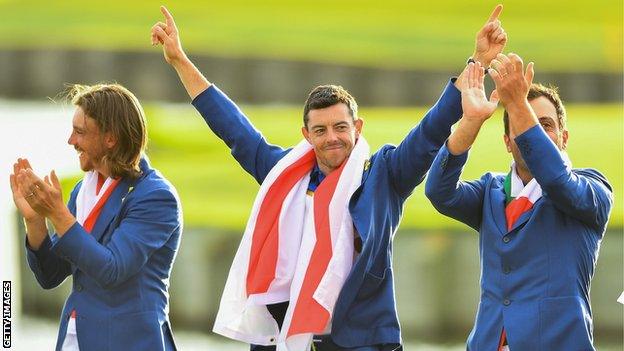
(436, 258)
(558, 35)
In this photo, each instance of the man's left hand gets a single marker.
(45, 197)
(491, 39)
(512, 81)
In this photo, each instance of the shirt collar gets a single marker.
(316, 177)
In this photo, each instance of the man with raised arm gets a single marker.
(314, 267)
(118, 235)
(540, 225)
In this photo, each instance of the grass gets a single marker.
(216, 192)
(558, 35)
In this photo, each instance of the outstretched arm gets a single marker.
(411, 160)
(450, 196)
(476, 107)
(583, 194)
(223, 117)
(167, 35)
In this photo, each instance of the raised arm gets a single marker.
(167, 35)
(411, 160)
(450, 196)
(583, 194)
(224, 118)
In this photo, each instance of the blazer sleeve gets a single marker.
(230, 124)
(584, 194)
(147, 225)
(452, 197)
(410, 161)
(49, 269)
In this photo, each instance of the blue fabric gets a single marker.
(535, 278)
(365, 312)
(316, 177)
(121, 269)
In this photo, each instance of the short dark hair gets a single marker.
(551, 93)
(328, 95)
(116, 110)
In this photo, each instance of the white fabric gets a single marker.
(87, 198)
(247, 319)
(532, 191)
(71, 339)
(85, 202)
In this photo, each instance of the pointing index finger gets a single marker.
(168, 16)
(495, 13)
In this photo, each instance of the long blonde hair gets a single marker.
(117, 111)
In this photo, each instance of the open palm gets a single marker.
(475, 104)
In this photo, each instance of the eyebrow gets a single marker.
(334, 125)
(548, 118)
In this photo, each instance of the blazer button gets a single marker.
(78, 287)
(506, 270)
(506, 239)
(506, 302)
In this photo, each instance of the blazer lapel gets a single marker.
(110, 209)
(524, 216)
(497, 206)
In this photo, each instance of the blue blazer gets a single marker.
(535, 278)
(365, 312)
(120, 270)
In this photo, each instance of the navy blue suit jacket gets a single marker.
(365, 312)
(535, 278)
(121, 269)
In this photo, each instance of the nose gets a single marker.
(331, 135)
(72, 139)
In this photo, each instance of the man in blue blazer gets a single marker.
(364, 316)
(540, 226)
(118, 235)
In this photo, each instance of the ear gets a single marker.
(507, 142)
(359, 123)
(109, 140)
(306, 133)
(564, 139)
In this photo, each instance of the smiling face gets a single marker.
(91, 144)
(332, 131)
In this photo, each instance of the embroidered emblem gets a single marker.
(366, 165)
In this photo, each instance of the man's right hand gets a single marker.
(166, 34)
(475, 104)
(36, 228)
(476, 108)
(19, 195)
